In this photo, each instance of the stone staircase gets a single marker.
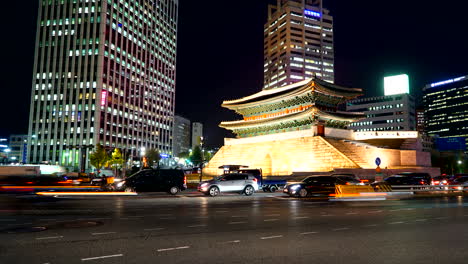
(350, 149)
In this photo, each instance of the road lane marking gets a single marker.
(373, 225)
(327, 215)
(174, 248)
(271, 237)
(154, 229)
(300, 217)
(102, 257)
(351, 213)
(375, 211)
(340, 229)
(196, 226)
(273, 215)
(396, 223)
(238, 222)
(238, 216)
(103, 233)
(230, 242)
(420, 220)
(308, 233)
(270, 220)
(53, 237)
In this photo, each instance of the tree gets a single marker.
(99, 157)
(196, 156)
(153, 157)
(116, 161)
(184, 155)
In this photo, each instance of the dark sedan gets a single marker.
(318, 185)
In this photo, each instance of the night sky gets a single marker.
(220, 52)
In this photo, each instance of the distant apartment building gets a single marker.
(104, 73)
(298, 43)
(19, 146)
(384, 113)
(181, 135)
(197, 134)
(446, 108)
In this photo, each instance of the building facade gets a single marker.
(384, 113)
(19, 148)
(181, 138)
(298, 43)
(197, 134)
(104, 73)
(446, 108)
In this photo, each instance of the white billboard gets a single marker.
(398, 84)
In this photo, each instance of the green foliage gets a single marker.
(207, 155)
(153, 157)
(99, 157)
(184, 155)
(196, 156)
(117, 160)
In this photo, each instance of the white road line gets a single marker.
(420, 220)
(174, 248)
(103, 233)
(238, 222)
(375, 211)
(238, 216)
(102, 257)
(340, 229)
(154, 229)
(373, 225)
(300, 217)
(396, 223)
(271, 237)
(351, 213)
(230, 242)
(394, 210)
(308, 233)
(270, 220)
(196, 226)
(54, 237)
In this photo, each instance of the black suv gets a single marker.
(409, 178)
(159, 180)
(318, 185)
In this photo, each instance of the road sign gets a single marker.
(378, 161)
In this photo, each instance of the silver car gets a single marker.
(232, 182)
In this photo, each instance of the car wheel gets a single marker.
(265, 189)
(249, 190)
(302, 193)
(214, 191)
(273, 189)
(174, 190)
(129, 189)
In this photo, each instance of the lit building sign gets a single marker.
(398, 84)
(448, 81)
(312, 13)
(103, 97)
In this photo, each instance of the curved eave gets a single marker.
(255, 123)
(265, 95)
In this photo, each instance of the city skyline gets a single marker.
(372, 40)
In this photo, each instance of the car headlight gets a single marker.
(120, 184)
(204, 184)
(295, 187)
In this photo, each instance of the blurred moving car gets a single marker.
(461, 181)
(232, 182)
(409, 178)
(318, 185)
(440, 180)
(154, 180)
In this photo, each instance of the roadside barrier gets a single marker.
(352, 190)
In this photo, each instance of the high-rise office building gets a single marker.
(181, 138)
(104, 73)
(18, 146)
(197, 134)
(446, 108)
(384, 113)
(298, 43)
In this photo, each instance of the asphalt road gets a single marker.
(264, 228)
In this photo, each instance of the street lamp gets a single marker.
(460, 162)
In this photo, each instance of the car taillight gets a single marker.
(421, 182)
(255, 179)
(435, 182)
(185, 179)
